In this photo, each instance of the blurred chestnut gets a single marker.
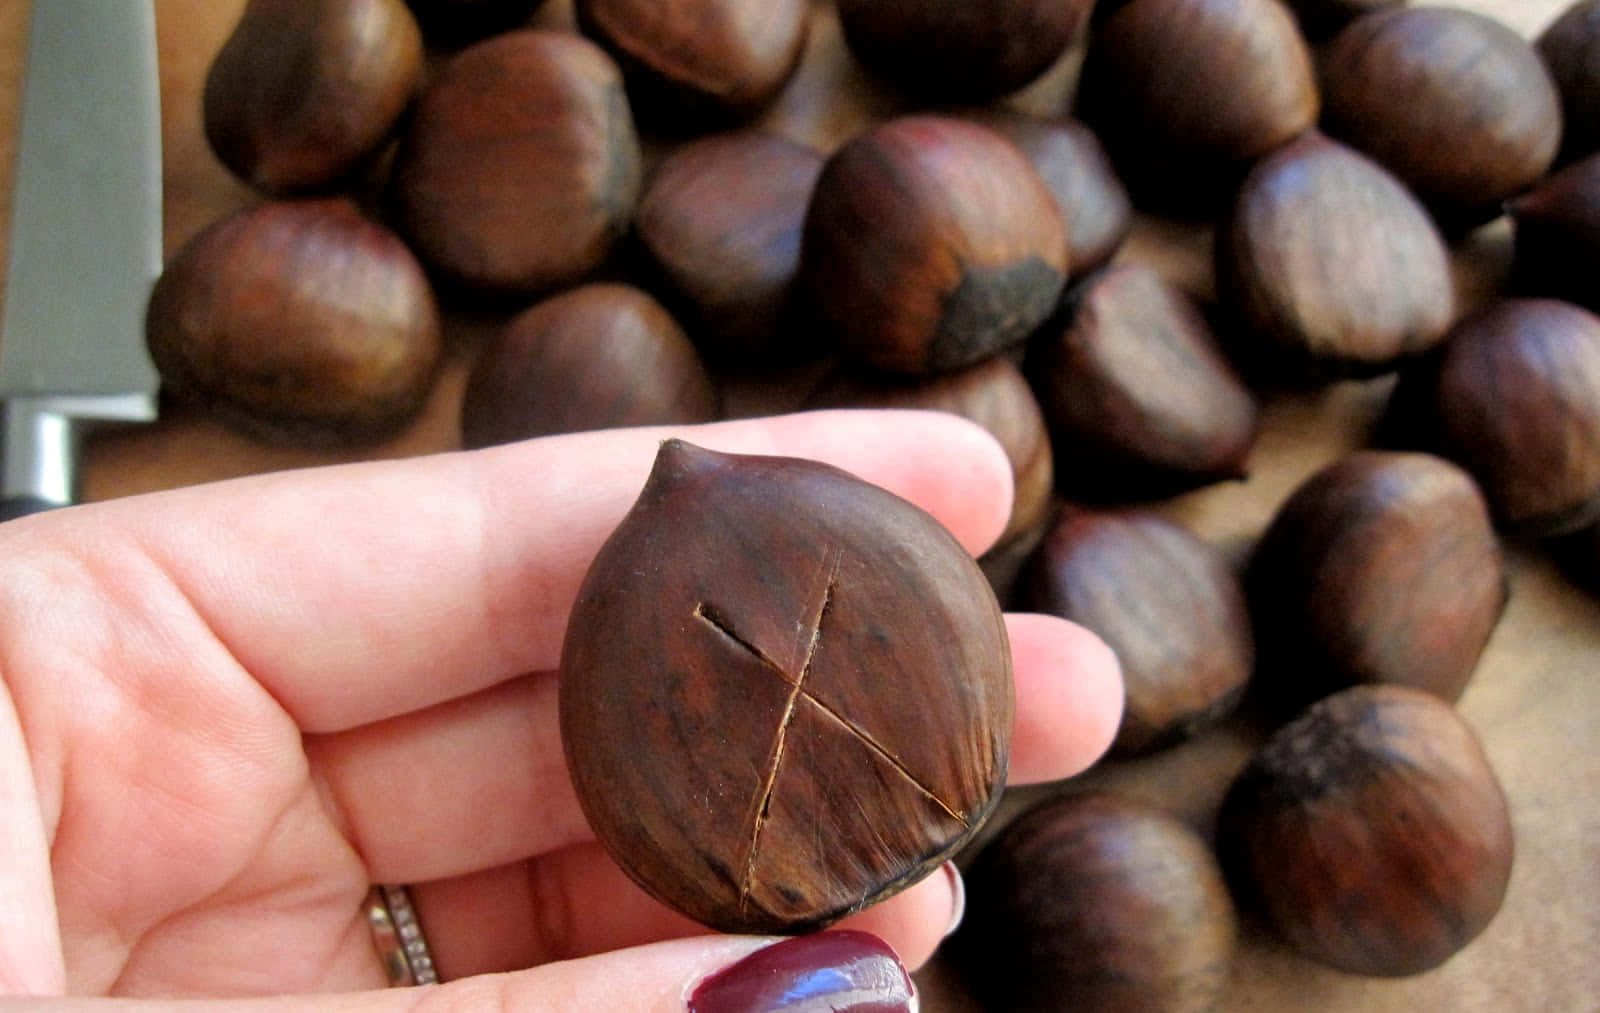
(1332, 265)
(595, 357)
(521, 167)
(1455, 103)
(1095, 902)
(961, 50)
(1380, 567)
(1185, 94)
(1074, 165)
(930, 243)
(785, 693)
(1139, 398)
(299, 322)
(991, 393)
(1167, 603)
(720, 221)
(1570, 48)
(1371, 832)
(1557, 235)
(304, 92)
(1514, 397)
(699, 61)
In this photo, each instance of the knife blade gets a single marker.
(85, 242)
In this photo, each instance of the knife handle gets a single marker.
(41, 441)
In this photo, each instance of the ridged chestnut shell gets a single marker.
(817, 673)
(1371, 832)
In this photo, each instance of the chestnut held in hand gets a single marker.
(1095, 902)
(299, 322)
(785, 693)
(1371, 832)
(930, 243)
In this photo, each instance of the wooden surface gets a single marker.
(1535, 700)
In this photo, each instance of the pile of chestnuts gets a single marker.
(592, 211)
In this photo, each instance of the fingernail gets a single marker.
(825, 972)
(958, 890)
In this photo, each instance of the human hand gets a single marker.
(231, 708)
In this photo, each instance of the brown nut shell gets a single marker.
(283, 107)
(599, 356)
(699, 61)
(818, 673)
(930, 243)
(299, 322)
(1381, 567)
(1558, 235)
(1138, 395)
(1371, 832)
(1570, 48)
(1480, 120)
(1514, 397)
(1333, 266)
(521, 168)
(1095, 902)
(1167, 603)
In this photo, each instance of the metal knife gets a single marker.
(85, 243)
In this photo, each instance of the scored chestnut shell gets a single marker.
(1185, 94)
(1479, 120)
(1167, 603)
(930, 243)
(699, 61)
(1095, 902)
(1557, 235)
(818, 673)
(1371, 832)
(720, 221)
(1381, 567)
(299, 322)
(961, 50)
(521, 167)
(1570, 48)
(1139, 397)
(282, 107)
(599, 356)
(1513, 396)
(1333, 266)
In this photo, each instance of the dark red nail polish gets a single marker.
(826, 972)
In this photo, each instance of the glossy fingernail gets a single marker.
(958, 902)
(825, 972)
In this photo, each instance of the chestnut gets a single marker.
(302, 94)
(1333, 267)
(1186, 94)
(1480, 119)
(1167, 603)
(299, 322)
(1370, 832)
(699, 61)
(818, 674)
(1138, 395)
(961, 50)
(1557, 235)
(720, 222)
(1570, 48)
(930, 243)
(1074, 165)
(1092, 901)
(1514, 397)
(1381, 567)
(521, 168)
(598, 356)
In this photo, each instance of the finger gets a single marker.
(481, 781)
(362, 591)
(576, 902)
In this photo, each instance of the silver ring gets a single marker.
(397, 935)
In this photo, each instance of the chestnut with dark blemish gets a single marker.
(817, 674)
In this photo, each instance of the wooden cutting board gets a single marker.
(1535, 700)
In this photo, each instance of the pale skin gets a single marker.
(229, 709)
